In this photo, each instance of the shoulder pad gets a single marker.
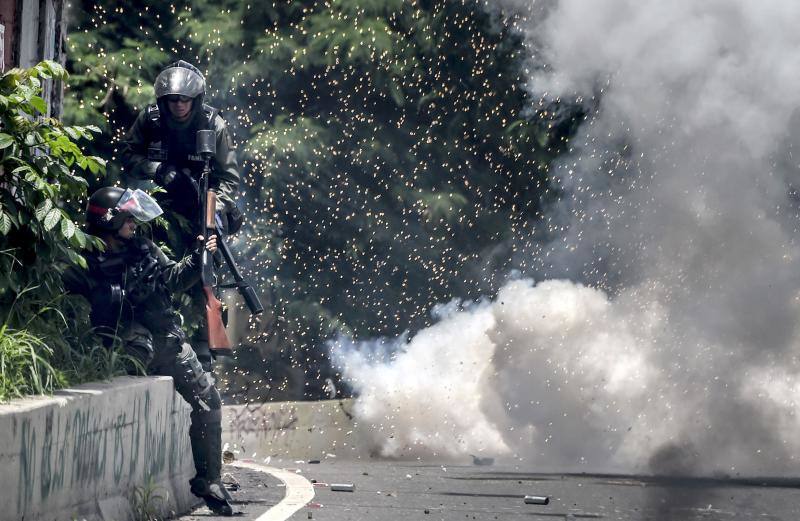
(93, 258)
(210, 113)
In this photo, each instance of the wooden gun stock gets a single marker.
(217, 338)
(218, 341)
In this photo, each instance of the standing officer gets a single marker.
(161, 147)
(130, 287)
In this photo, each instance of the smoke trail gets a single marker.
(676, 334)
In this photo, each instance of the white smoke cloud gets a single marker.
(442, 367)
(677, 213)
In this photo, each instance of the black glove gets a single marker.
(189, 183)
(145, 281)
(184, 194)
(165, 174)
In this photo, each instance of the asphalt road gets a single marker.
(402, 491)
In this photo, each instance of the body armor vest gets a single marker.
(130, 286)
(177, 147)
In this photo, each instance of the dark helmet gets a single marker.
(180, 78)
(110, 206)
(100, 212)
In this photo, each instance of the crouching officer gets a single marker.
(130, 287)
(161, 147)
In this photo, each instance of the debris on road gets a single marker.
(481, 461)
(230, 482)
(343, 487)
(537, 500)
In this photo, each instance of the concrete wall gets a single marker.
(293, 430)
(80, 453)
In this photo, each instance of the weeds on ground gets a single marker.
(81, 354)
(148, 501)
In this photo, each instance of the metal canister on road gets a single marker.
(537, 500)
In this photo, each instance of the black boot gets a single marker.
(206, 438)
(214, 494)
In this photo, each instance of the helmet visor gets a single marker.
(139, 205)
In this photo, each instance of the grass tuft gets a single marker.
(25, 365)
(148, 500)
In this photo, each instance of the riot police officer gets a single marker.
(130, 287)
(161, 147)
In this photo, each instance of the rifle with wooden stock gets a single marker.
(218, 340)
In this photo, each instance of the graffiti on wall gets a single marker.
(87, 446)
(264, 420)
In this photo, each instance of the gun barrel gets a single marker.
(245, 290)
(251, 299)
(228, 256)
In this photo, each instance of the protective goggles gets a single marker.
(175, 98)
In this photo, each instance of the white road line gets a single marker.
(299, 491)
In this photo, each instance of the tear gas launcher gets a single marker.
(218, 340)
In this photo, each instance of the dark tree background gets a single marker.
(392, 156)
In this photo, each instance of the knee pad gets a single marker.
(203, 353)
(195, 384)
(203, 396)
(138, 343)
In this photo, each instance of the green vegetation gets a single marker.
(24, 365)
(147, 501)
(393, 157)
(40, 198)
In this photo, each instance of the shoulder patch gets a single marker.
(153, 115)
(152, 111)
